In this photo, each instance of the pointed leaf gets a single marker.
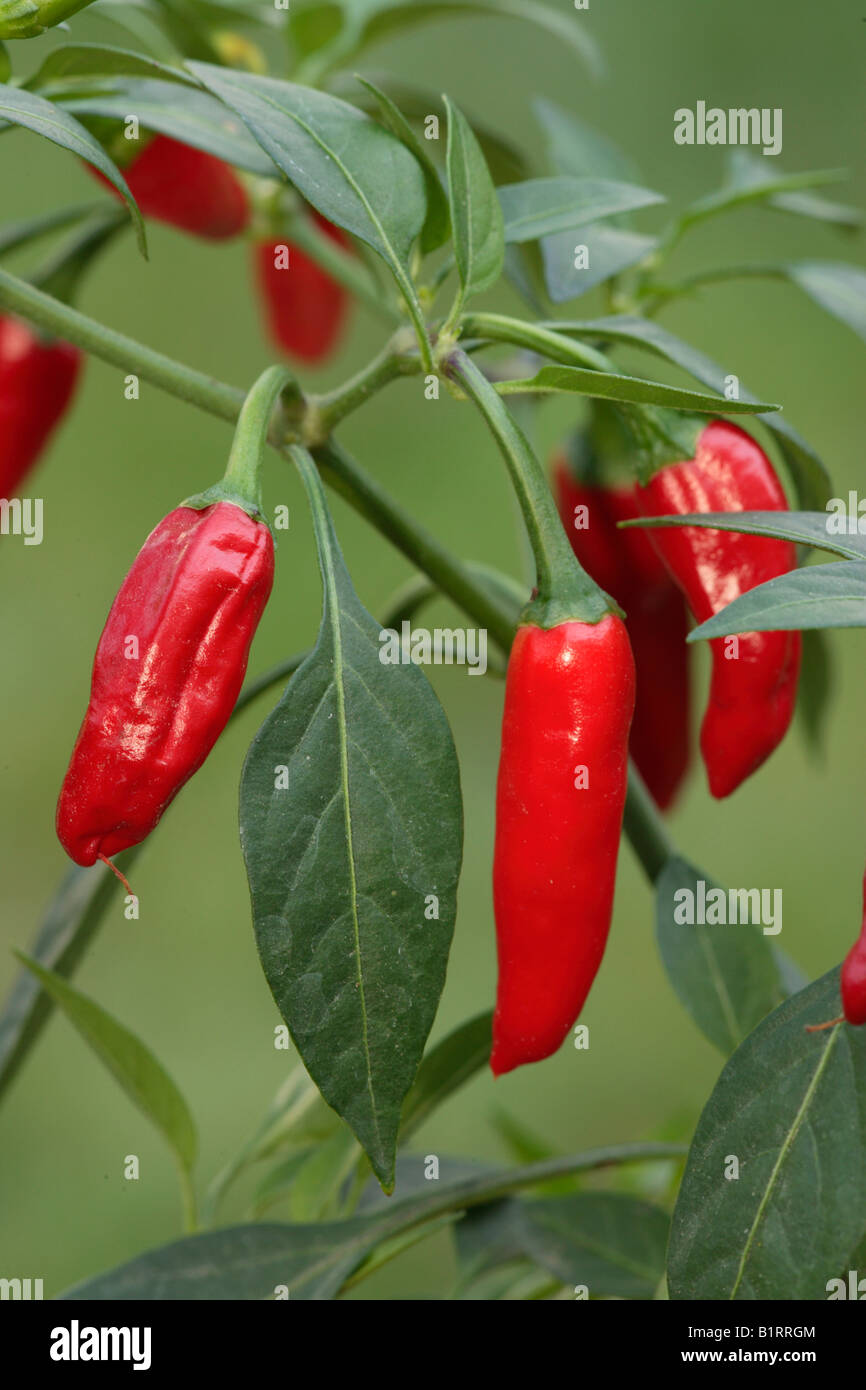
(356, 173)
(342, 862)
(540, 207)
(725, 975)
(142, 1077)
(476, 217)
(611, 250)
(790, 1106)
(437, 224)
(818, 596)
(838, 288)
(18, 107)
(803, 528)
(612, 386)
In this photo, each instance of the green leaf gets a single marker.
(342, 861)
(725, 975)
(819, 596)
(183, 113)
(16, 234)
(810, 475)
(75, 61)
(611, 250)
(277, 1184)
(575, 148)
(612, 386)
(739, 194)
(476, 216)
(612, 1243)
(142, 1077)
(815, 688)
(329, 34)
(35, 113)
(437, 224)
(447, 1067)
(540, 207)
(746, 170)
(249, 1262)
(352, 170)
(71, 920)
(790, 1106)
(803, 528)
(838, 288)
(316, 1187)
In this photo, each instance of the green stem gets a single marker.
(398, 358)
(645, 828)
(564, 591)
(501, 329)
(343, 267)
(190, 1211)
(62, 321)
(252, 434)
(659, 295)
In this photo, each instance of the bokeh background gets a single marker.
(186, 977)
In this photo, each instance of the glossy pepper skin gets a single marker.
(853, 980)
(187, 188)
(625, 565)
(192, 601)
(752, 697)
(569, 696)
(37, 381)
(305, 308)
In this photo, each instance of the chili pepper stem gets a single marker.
(117, 873)
(241, 481)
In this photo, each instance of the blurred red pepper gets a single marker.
(168, 670)
(187, 188)
(625, 565)
(752, 694)
(304, 306)
(853, 981)
(37, 380)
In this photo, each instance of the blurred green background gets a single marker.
(186, 977)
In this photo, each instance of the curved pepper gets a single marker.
(167, 672)
(853, 982)
(305, 307)
(37, 380)
(187, 188)
(625, 565)
(752, 696)
(569, 697)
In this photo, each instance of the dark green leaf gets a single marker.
(791, 977)
(838, 288)
(725, 974)
(142, 1077)
(35, 113)
(610, 251)
(342, 861)
(356, 173)
(810, 475)
(612, 1243)
(822, 530)
(184, 113)
(476, 216)
(447, 1067)
(815, 688)
(75, 61)
(790, 1107)
(540, 207)
(615, 387)
(437, 225)
(575, 148)
(831, 595)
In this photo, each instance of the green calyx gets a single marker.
(241, 483)
(26, 19)
(659, 436)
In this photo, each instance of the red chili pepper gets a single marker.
(569, 697)
(168, 669)
(305, 307)
(37, 379)
(626, 565)
(854, 975)
(187, 188)
(752, 695)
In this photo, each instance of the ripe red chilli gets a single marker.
(305, 307)
(37, 380)
(167, 672)
(625, 564)
(187, 188)
(752, 695)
